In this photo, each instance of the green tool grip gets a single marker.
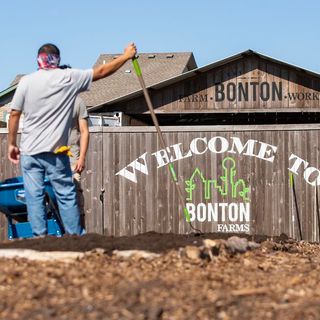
(290, 179)
(174, 176)
(186, 214)
(136, 66)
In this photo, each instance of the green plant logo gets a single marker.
(225, 185)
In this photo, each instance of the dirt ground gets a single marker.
(278, 280)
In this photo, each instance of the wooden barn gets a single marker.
(243, 136)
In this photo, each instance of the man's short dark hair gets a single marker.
(49, 48)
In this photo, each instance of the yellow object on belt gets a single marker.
(65, 150)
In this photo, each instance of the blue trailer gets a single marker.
(13, 205)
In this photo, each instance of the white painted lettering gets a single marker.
(191, 209)
(220, 226)
(244, 214)
(214, 143)
(314, 172)
(266, 152)
(162, 157)
(233, 212)
(297, 163)
(201, 212)
(212, 212)
(237, 144)
(194, 145)
(223, 211)
(178, 153)
(134, 165)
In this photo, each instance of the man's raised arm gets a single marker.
(107, 69)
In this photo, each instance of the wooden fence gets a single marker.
(253, 179)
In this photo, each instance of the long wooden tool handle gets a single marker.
(163, 145)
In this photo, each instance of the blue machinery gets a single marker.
(12, 204)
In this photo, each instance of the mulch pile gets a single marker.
(150, 241)
(277, 280)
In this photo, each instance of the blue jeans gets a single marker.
(56, 168)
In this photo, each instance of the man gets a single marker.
(46, 97)
(79, 142)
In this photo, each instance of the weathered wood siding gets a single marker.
(251, 84)
(116, 206)
(152, 202)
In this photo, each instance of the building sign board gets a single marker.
(233, 213)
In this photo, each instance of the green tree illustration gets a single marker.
(228, 184)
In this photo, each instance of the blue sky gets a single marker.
(284, 29)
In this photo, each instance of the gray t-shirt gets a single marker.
(46, 97)
(79, 113)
